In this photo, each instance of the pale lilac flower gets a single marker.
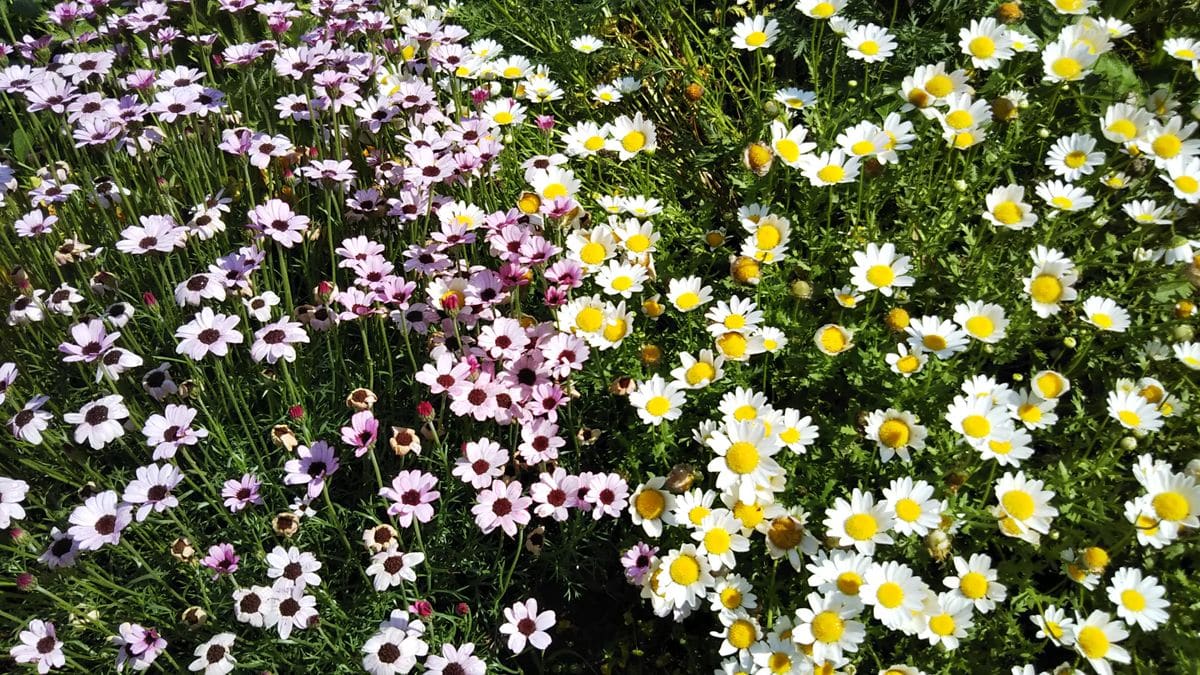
(608, 493)
(39, 646)
(257, 606)
(392, 651)
(34, 224)
(158, 382)
(242, 492)
(8, 375)
(524, 624)
(198, 288)
(99, 521)
(167, 432)
(391, 566)
(12, 493)
(30, 421)
(412, 494)
(274, 341)
(637, 562)
(62, 552)
(208, 333)
(115, 362)
(297, 611)
(501, 505)
(292, 568)
(152, 489)
(137, 646)
(553, 493)
(91, 340)
(276, 220)
(312, 467)
(362, 432)
(215, 657)
(63, 300)
(99, 421)
(221, 559)
(540, 442)
(157, 234)
(481, 462)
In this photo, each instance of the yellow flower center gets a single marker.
(982, 47)
(832, 174)
(881, 276)
(1053, 629)
(869, 47)
(589, 319)
(1129, 418)
(833, 340)
(1124, 128)
(717, 541)
(1000, 447)
(908, 364)
(1028, 412)
(942, 624)
(1152, 393)
(1133, 600)
(637, 243)
(658, 406)
(742, 457)
(1018, 504)
(633, 141)
(959, 120)
(785, 533)
(894, 433)
(934, 343)
(861, 526)
(1187, 184)
(1050, 384)
(685, 570)
(767, 237)
(687, 300)
(908, 510)
(732, 345)
(750, 515)
(890, 594)
(735, 322)
(980, 326)
(622, 283)
(698, 514)
(939, 85)
(976, 426)
(1008, 213)
(788, 149)
(1075, 159)
(1102, 320)
(512, 72)
(1063, 202)
(1066, 67)
(1046, 289)
(823, 10)
(973, 585)
(1171, 506)
(964, 140)
(1092, 642)
(849, 582)
(756, 39)
(700, 372)
(503, 117)
(731, 598)
(828, 627)
(1167, 146)
(650, 504)
(779, 663)
(592, 253)
(594, 143)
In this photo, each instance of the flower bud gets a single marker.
(693, 92)
(1129, 444)
(801, 289)
(1069, 342)
(1183, 333)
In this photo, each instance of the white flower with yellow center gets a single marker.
(1106, 314)
(829, 168)
(828, 626)
(859, 522)
(929, 85)
(1187, 353)
(1032, 410)
(906, 363)
(732, 593)
(693, 506)
(833, 339)
(985, 387)
(1139, 599)
(587, 44)
(1074, 156)
(912, 503)
(1174, 500)
(838, 571)
(894, 593)
(553, 182)
(983, 321)
(636, 237)
(788, 538)
(1182, 48)
(1064, 61)
(618, 324)
(753, 33)
(744, 405)
(1096, 638)
(621, 278)
(978, 420)
(641, 206)
(895, 432)
(632, 135)
(585, 139)
(1054, 625)
(975, 581)
(1183, 175)
(688, 293)
(1141, 514)
(583, 316)
(774, 656)
(773, 339)
(592, 247)
(738, 315)
(685, 577)
(964, 114)
(946, 620)
(1008, 449)
(1022, 42)
(795, 431)
(789, 145)
(1073, 7)
(1050, 384)
(1064, 196)
(698, 372)
(1024, 509)
(987, 43)
(720, 539)
(768, 240)
(1148, 212)
(1051, 282)
(936, 335)
(504, 112)
(880, 268)
(869, 43)
(739, 633)
(1133, 411)
(847, 297)
(794, 99)
(1006, 207)
(1164, 142)
(657, 400)
(1125, 123)
(820, 9)
(900, 136)
(745, 459)
(512, 67)
(738, 346)
(651, 506)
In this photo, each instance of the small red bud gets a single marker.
(296, 412)
(150, 299)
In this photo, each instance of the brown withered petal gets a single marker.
(535, 539)
(284, 437)
(404, 440)
(587, 436)
(182, 550)
(623, 386)
(681, 478)
(286, 524)
(377, 538)
(194, 616)
(361, 399)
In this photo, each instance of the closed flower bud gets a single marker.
(1094, 558)
(1183, 333)
(286, 524)
(1043, 133)
(770, 109)
(758, 158)
(1184, 309)
(623, 386)
(284, 437)
(182, 550)
(1003, 110)
(1010, 12)
(681, 478)
(714, 238)
(404, 440)
(745, 270)
(650, 354)
(26, 582)
(937, 543)
(1129, 444)
(1069, 342)
(801, 289)
(693, 92)
(194, 617)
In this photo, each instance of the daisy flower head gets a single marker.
(39, 647)
(1051, 281)
(1182, 48)
(632, 135)
(947, 618)
(833, 339)
(745, 463)
(820, 9)
(1165, 142)
(1106, 314)
(1054, 625)
(879, 268)
(1072, 157)
(983, 321)
(1140, 599)
(1024, 509)
(688, 293)
(906, 363)
(99, 422)
(739, 315)
(412, 495)
(978, 419)
(860, 522)
(795, 99)
(1183, 175)
(1073, 7)
(753, 33)
(697, 372)
(720, 539)
(1095, 640)
(657, 400)
(1064, 61)
(684, 576)
(502, 505)
(894, 593)
(652, 506)
(975, 580)
(587, 44)
(829, 624)
(99, 521)
(895, 432)
(789, 144)
(936, 335)
(1133, 411)
(987, 43)
(208, 333)
(913, 504)
(829, 168)
(869, 43)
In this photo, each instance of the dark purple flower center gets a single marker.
(197, 283)
(502, 507)
(106, 525)
(250, 603)
(46, 645)
(393, 564)
(273, 337)
(410, 498)
(289, 607)
(96, 415)
(293, 571)
(477, 396)
(157, 493)
(317, 468)
(480, 466)
(214, 654)
(556, 497)
(148, 242)
(527, 626)
(24, 417)
(209, 336)
(388, 653)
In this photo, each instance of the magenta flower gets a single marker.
(99, 521)
(637, 562)
(137, 646)
(312, 467)
(91, 341)
(276, 220)
(208, 333)
(412, 494)
(221, 559)
(274, 341)
(168, 432)
(362, 432)
(242, 492)
(501, 505)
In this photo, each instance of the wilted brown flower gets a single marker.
(404, 440)
(361, 399)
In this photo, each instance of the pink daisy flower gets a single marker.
(412, 494)
(99, 521)
(608, 493)
(525, 625)
(501, 506)
(275, 220)
(99, 421)
(481, 461)
(151, 490)
(274, 341)
(208, 333)
(553, 492)
(168, 432)
(39, 646)
(362, 432)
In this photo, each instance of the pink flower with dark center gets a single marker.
(221, 559)
(168, 432)
(553, 494)
(412, 494)
(443, 374)
(198, 288)
(274, 341)
(362, 432)
(99, 421)
(540, 442)
(312, 467)
(157, 234)
(481, 462)
(151, 490)
(525, 625)
(242, 492)
(99, 521)
(208, 333)
(276, 220)
(608, 493)
(91, 341)
(39, 646)
(501, 506)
